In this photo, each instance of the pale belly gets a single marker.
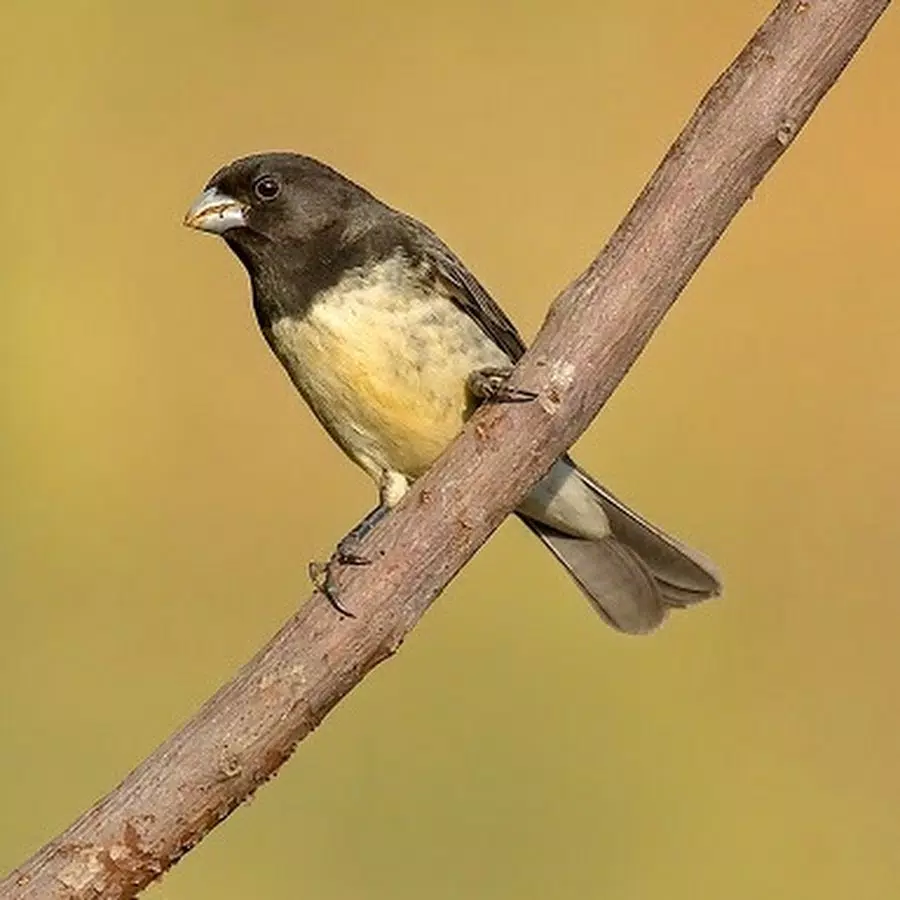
(385, 372)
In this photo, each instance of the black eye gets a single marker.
(267, 187)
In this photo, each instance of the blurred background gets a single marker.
(162, 487)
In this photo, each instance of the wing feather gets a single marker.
(464, 288)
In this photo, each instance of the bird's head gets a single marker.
(275, 198)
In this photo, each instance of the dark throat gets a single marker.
(287, 276)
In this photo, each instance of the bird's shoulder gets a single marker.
(397, 233)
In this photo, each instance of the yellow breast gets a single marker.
(383, 363)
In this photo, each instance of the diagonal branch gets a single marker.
(594, 332)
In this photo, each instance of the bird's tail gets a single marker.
(634, 574)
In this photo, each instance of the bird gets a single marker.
(393, 343)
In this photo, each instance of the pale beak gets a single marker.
(216, 212)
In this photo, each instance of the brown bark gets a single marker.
(594, 332)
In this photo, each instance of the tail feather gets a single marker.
(613, 578)
(634, 574)
(688, 574)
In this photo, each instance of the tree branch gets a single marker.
(595, 331)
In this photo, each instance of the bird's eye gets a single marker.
(267, 187)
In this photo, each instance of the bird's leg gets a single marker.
(347, 549)
(346, 554)
(490, 386)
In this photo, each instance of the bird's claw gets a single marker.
(322, 576)
(490, 386)
(347, 553)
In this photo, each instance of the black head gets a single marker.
(277, 197)
(294, 223)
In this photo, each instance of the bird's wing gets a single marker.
(466, 291)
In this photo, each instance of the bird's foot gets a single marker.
(347, 553)
(322, 576)
(490, 386)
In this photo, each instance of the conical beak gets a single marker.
(216, 212)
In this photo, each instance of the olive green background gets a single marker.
(162, 488)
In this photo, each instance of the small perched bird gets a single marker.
(393, 343)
